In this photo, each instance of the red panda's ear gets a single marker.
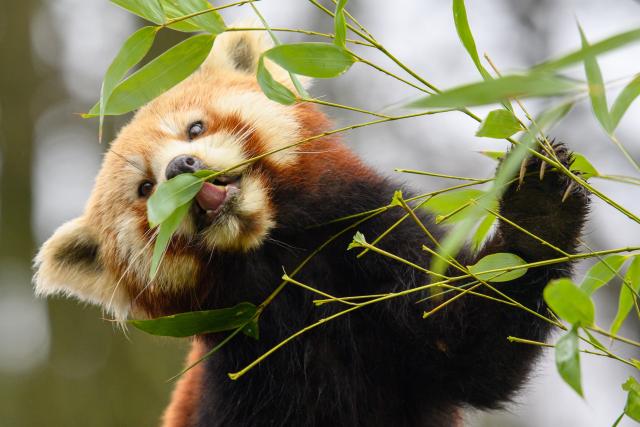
(239, 51)
(69, 263)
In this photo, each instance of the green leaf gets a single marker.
(358, 241)
(594, 341)
(132, 51)
(210, 21)
(170, 195)
(273, 89)
(492, 91)
(601, 273)
(466, 37)
(150, 10)
(548, 118)
(340, 25)
(157, 76)
(198, 322)
(166, 230)
(173, 12)
(482, 230)
(499, 260)
(205, 174)
(624, 100)
(568, 360)
(456, 238)
(611, 43)
(569, 302)
(252, 329)
(320, 60)
(632, 407)
(596, 87)
(584, 166)
(495, 155)
(446, 203)
(499, 124)
(625, 299)
(397, 198)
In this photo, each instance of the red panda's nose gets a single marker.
(183, 164)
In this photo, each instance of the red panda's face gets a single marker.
(216, 119)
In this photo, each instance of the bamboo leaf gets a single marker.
(499, 124)
(166, 230)
(340, 25)
(606, 45)
(499, 260)
(570, 302)
(273, 89)
(494, 155)
(453, 241)
(358, 241)
(170, 195)
(466, 37)
(584, 166)
(451, 201)
(252, 329)
(568, 360)
(320, 60)
(548, 118)
(626, 297)
(596, 87)
(173, 12)
(150, 10)
(624, 100)
(132, 51)
(198, 322)
(482, 231)
(210, 21)
(632, 407)
(601, 273)
(157, 76)
(493, 91)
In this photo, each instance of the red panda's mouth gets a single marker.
(215, 198)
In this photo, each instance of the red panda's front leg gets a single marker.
(483, 367)
(183, 406)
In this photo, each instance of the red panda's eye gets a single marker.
(195, 129)
(145, 189)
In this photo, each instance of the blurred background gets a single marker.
(62, 364)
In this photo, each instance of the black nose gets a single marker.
(183, 164)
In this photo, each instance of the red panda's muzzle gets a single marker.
(214, 200)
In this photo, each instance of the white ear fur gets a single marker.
(69, 264)
(240, 51)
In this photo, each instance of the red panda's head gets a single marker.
(215, 119)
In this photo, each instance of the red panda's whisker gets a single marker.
(246, 131)
(128, 161)
(164, 252)
(133, 260)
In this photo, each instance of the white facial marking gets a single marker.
(219, 151)
(176, 124)
(274, 122)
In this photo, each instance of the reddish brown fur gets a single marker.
(186, 394)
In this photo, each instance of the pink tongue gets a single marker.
(211, 197)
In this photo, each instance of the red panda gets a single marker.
(383, 365)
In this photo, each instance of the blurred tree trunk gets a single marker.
(17, 86)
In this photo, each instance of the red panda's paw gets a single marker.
(545, 202)
(537, 176)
